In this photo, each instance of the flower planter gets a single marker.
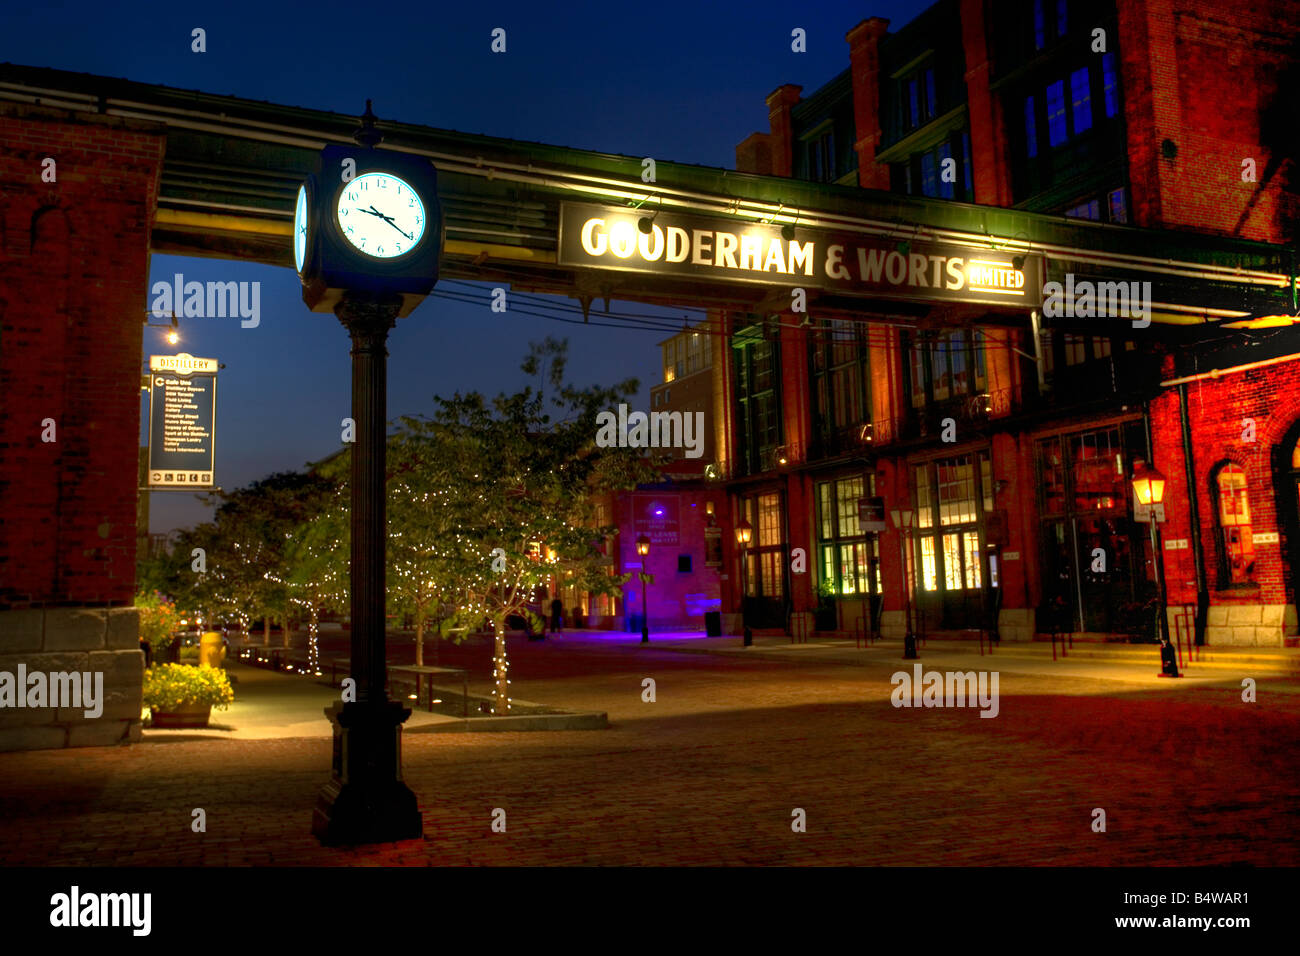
(187, 715)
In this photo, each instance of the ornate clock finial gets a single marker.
(366, 134)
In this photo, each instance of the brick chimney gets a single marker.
(781, 139)
(864, 61)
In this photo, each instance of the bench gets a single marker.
(420, 673)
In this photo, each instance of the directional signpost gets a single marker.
(182, 422)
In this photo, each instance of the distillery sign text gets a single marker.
(739, 251)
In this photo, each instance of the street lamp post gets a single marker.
(643, 549)
(744, 535)
(902, 518)
(1149, 489)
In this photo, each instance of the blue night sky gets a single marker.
(677, 81)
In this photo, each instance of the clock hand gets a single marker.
(389, 220)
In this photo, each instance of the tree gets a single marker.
(523, 468)
(431, 558)
(257, 525)
(316, 560)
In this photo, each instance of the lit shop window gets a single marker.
(948, 495)
(850, 557)
(929, 577)
(765, 556)
(1237, 550)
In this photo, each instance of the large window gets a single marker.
(946, 366)
(923, 173)
(841, 382)
(850, 557)
(765, 557)
(1236, 546)
(757, 395)
(821, 157)
(951, 494)
(1066, 128)
(917, 103)
(1051, 20)
(1097, 565)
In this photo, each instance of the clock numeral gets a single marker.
(399, 247)
(349, 230)
(383, 184)
(302, 230)
(412, 202)
(344, 211)
(418, 220)
(379, 249)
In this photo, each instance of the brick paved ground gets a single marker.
(710, 772)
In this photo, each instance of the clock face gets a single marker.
(300, 229)
(381, 215)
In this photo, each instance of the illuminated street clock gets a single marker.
(368, 220)
(382, 215)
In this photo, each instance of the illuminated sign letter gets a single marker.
(596, 248)
(678, 246)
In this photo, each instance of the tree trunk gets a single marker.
(437, 643)
(500, 670)
(419, 638)
(266, 631)
(313, 642)
(288, 630)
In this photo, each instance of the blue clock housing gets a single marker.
(379, 231)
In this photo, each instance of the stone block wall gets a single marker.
(72, 640)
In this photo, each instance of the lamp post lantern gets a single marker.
(744, 535)
(643, 549)
(902, 518)
(1149, 491)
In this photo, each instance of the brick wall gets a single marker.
(74, 259)
(1217, 408)
(1201, 76)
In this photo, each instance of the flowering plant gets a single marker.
(159, 620)
(170, 686)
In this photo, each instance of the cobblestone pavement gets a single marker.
(711, 771)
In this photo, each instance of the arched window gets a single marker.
(1236, 550)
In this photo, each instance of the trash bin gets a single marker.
(713, 623)
(212, 649)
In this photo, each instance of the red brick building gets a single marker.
(74, 241)
(1013, 442)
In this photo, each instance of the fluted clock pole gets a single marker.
(366, 801)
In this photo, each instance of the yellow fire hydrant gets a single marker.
(212, 649)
